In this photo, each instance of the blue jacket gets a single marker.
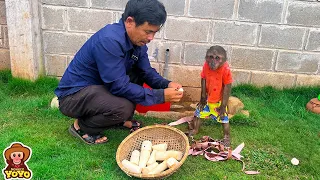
(104, 60)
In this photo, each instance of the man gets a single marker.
(102, 84)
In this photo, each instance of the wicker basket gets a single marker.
(157, 134)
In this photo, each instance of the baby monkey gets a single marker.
(216, 80)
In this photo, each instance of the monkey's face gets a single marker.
(16, 157)
(214, 60)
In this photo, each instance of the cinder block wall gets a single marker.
(4, 42)
(269, 42)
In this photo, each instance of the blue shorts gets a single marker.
(210, 110)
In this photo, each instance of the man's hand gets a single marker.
(172, 95)
(174, 85)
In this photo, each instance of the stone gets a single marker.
(163, 114)
(168, 114)
(176, 106)
(245, 112)
(234, 105)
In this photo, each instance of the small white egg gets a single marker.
(295, 161)
(180, 89)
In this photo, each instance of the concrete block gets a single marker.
(4, 59)
(159, 34)
(240, 77)
(211, 9)
(245, 58)
(5, 37)
(25, 38)
(174, 7)
(71, 3)
(62, 43)
(69, 59)
(187, 29)
(116, 17)
(308, 80)
(55, 65)
(153, 50)
(53, 17)
(109, 4)
(156, 66)
(277, 80)
(282, 37)
(90, 21)
(194, 54)
(164, 115)
(303, 13)
(313, 43)
(191, 94)
(229, 33)
(268, 11)
(185, 75)
(157, 49)
(3, 18)
(297, 62)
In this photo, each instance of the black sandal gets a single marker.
(91, 139)
(136, 124)
(134, 128)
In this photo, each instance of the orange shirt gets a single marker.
(215, 79)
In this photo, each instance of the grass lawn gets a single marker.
(279, 128)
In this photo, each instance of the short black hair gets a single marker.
(151, 11)
(218, 50)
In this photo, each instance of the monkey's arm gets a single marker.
(225, 99)
(203, 98)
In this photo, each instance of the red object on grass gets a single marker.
(157, 107)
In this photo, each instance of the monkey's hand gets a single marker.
(201, 104)
(222, 112)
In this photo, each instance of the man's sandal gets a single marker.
(91, 139)
(135, 125)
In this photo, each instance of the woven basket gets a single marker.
(157, 134)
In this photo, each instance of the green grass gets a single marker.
(278, 129)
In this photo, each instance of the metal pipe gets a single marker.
(166, 64)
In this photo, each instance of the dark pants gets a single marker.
(97, 109)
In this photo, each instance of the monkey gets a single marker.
(16, 156)
(216, 81)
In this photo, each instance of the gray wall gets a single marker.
(269, 42)
(4, 42)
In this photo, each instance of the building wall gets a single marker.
(269, 42)
(4, 42)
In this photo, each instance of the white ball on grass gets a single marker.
(54, 103)
(295, 161)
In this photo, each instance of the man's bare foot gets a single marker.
(85, 136)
